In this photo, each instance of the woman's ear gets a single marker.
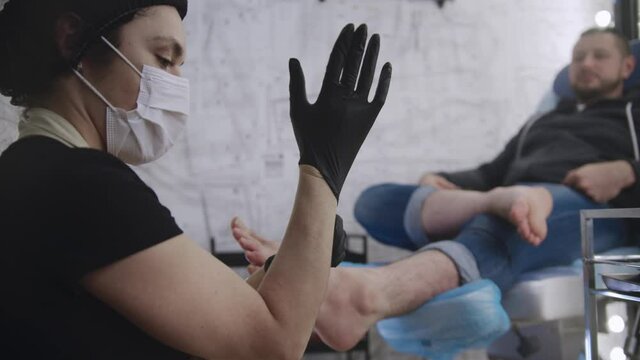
(68, 32)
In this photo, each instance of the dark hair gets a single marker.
(621, 40)
(31, 60)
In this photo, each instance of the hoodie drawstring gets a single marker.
(632, 131)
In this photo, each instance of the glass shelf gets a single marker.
(621, 260)
(591, 273)
(616, 295)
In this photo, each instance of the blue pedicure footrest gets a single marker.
(467, 317)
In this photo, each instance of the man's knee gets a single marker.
(368, 204)
(380, 201)
(380, 210)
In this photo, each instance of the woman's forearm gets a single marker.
(295, 284)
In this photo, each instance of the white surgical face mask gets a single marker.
(145, 133)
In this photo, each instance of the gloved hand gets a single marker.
(330, 132)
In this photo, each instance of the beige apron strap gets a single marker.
(39, 121)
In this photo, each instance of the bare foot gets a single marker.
(525, 207)
(256, 248)
(349, 309)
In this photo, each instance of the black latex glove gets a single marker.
(339, 249)
(330, 132)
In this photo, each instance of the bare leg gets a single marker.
(256, 248)
(358, 297)
(444, 212)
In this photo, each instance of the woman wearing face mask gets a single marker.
(92, 265)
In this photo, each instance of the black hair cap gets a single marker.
(99, 16)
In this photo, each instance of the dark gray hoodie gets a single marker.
(551, 145)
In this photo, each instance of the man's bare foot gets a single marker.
(525, 207)
(350, 308)
(256, 248)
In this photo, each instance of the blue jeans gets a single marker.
(487, 246)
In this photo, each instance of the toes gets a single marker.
(528, 237)
(237, 232)
(239, 223)
(238, 229)
(535, 240)
(234, 222)
(539, 227)
(519, 211)
(246, 244)
(255, 258)
(528, 234)
(524, 228)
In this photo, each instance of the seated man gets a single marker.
(517, 213)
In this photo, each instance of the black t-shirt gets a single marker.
(65, 212)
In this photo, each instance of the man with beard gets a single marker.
(514, 214)
(585, 147)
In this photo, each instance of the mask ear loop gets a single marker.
(95, 91)
(92, 88)
(121, 55)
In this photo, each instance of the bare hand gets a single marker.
(601, 181)
(437, 181)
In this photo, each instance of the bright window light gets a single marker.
(616, 324)
(617, 354)
(603, 18)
